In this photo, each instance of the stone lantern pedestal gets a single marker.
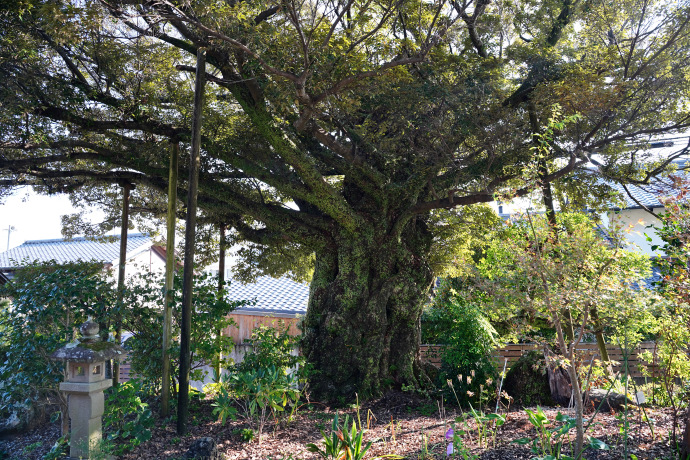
(85, 383)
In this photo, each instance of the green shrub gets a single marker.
(261, 394)
(271, 346)
(127, 420)
(261, 386)
(527, 381)
(143, 317)
(59, 449)
(468, 340)
(48, 303)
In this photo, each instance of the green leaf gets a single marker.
(598, 444)
(522, 441)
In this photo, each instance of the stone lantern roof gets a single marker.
(88, 348)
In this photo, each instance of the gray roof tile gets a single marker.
(272, 295)
(646, 196)
(76, 249)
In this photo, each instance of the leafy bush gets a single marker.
(468, 340)
(127, 419)
(261, 386)
(342, 443)
(260, 394)
(143, 317)
(271, 346)
(527, 380)
(59, 449)
(673, 322)
(550, 439)
(48, 303)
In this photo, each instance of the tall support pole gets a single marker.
(126, 188)
(169, 274)
(190, 234)
(221, 286)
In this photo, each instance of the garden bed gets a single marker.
(398, 424)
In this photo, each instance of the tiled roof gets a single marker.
(646, 197)
(76, 249)
(272, 295)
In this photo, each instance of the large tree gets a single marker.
(342, 128)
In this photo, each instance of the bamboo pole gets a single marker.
(169, 277)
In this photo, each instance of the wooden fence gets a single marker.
(246, 323)
(512, 352)
(585, 353)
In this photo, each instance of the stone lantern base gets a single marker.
(84, 385)
(86, 405)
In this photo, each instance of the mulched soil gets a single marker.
(399, 424)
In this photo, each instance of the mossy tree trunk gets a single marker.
(366, 301)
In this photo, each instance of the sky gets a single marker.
(33, 216)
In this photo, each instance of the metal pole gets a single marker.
(9, 232)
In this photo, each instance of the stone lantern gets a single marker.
(84, 384)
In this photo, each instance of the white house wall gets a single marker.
(635, 223)
(148, 261)
(143, 262)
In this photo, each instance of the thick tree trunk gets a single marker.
(362, 328)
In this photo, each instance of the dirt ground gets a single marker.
(399, 424)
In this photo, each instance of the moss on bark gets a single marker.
(365, 306)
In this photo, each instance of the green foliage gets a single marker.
(468, 340)
(459, 238)
(567, 274)
(31, 447)
(673, 322)
(272, 346)
(259, 393)
(127, 420)
(261, 385)
(247, 434)
(224, 405)
(487, 425)
(527, 380)
(142, 316)
(59, 449)
(549, 441)
(672, 326)
(531, 276)
(48, 303)
(341, 444)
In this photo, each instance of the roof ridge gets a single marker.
(82, 238)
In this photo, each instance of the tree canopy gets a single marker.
(333, 129)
